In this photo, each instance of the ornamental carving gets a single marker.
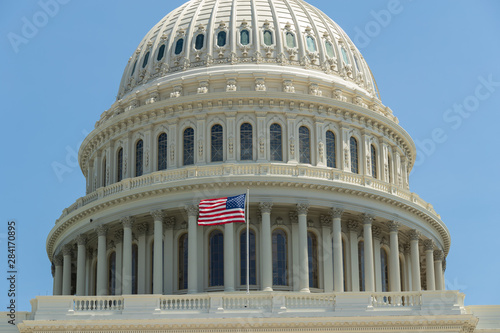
(302, 208)
(406, 249)
(279, 221)
(438, 255)
(352, 225)
(262, 145)
(127, 221)
(142, 229)
(231, 145)
(393, 226)
(157, 215)
(338, 95)
(337, 212)
(376, 232)
(325, 220)
(192, 210)
(265, 207)
(203, 88)
(101, 230)
(288, 86)
(294, 218)
(231, 85)
(118, 236)
(414, 235)
(260, 85)
(172, 152)
(428, 245)
(321, 150)
(67, 250)
(170, 222)
(200, 147)
(292, 147)
(81, 240)
(58, 260)
(367, 218)
(177, 92)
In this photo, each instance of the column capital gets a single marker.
(393, 226)
(302, 208)
(81, 240)
(101, 230)
(352, 225)
(337, 212)
(157, 215)
(444, 264)
(67, 249)
(428, 245)
(90, 252)
(414, 235)
(127, 221)
(294, 217)
(377, 232)
(192, 210)
(265, 207)
(169, 222)
(58, 260)
(142, 228)
(118, 235)
(438, 255)
(325, 220)
(367, 218)
(407, 248)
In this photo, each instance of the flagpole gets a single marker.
(248, 238)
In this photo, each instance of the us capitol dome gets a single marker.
(272, 96)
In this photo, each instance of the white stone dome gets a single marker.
(201, 36)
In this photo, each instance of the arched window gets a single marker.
(135, 267)
(246, 144)
(344, 56)
(290, 40)
(119, 166)
(280, 269)
(244, 37)
(162, 151)
(276, 147)
(221, 38)
(311, 44)
(103, 175)
(188, 151)
(216, 243)
(329, 49)
(374, 161)
(179, 46)
(268, 37)
(133, 68)
(389, 167)
(304, 145)
(217, 143)
(138, 158)
(146, 59)
(161, 52)
(330, 150)
(361, 263)
(200, 40)
(112, 273)
(252, 258)
(183, 262)
(354, 155)
(384, 269)
(312, 251)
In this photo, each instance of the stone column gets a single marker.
(438, 269)
(142, 230)
(407, 253)
(353, 244)
(102, 262)
(415, 260)
(377, 237)
(168, 254)
(266, 250)
(229, 257)
(444, 269)
(192, 212)
(429, 264)
(88, 272)
(158, 252)
(80, 265)
(326, 236)
(368, 248)
(66, 281)
(58, 275)
(394, 270)
(302, 209)
(127, 255)
(119, 261)
(338, 258)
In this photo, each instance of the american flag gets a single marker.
(222, 210)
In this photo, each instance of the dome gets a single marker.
(222, 97)
(207, 36)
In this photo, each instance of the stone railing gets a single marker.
(239, 304)
(227, 170)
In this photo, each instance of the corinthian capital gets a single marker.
(127, 221)
(428, 245)
(393, 226)
(66, 250)
(192, 210)
(414, 235)
(337, 212)
(81, 240)
(58, 260)
(101, 230)
(438, 255)
(265, 207)
(367, 218)
(352, 225)
(157, 215)
(302, 208)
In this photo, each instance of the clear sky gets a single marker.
(432, 61)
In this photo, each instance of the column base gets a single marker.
(267, 289)
(305, 290)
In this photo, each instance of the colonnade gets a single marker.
(341, 267)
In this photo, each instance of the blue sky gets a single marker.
(428, 57)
